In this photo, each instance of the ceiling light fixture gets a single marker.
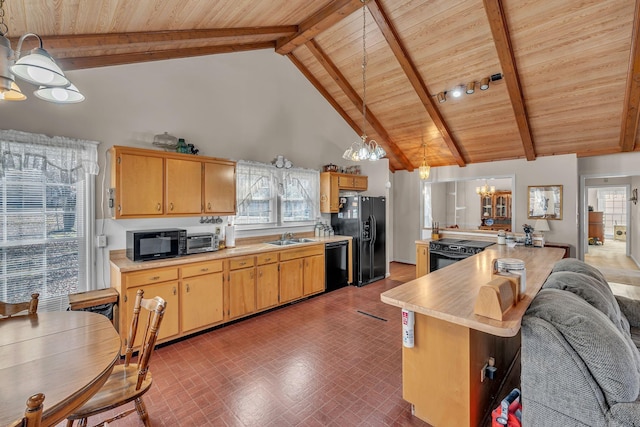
(468, 88)
(485, 190)
(363, 150)
(424, 168)
(37, 67)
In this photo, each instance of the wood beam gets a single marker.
(135, 57)
(337, 76)
(631, 110)
(316, 83)
(317, 23)
(116, 39)
(500, 31)
(410, 70)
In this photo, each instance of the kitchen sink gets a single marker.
(290, 241)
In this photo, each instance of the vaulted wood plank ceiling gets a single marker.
(566, 75)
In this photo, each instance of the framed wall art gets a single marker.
(545, 201)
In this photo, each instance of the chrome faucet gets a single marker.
(286, 236)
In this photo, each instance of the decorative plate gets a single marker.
(488, 222)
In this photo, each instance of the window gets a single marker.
(613, 202)
(270, 196)
(44, 227)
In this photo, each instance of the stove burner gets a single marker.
(455, 246)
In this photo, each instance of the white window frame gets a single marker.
(72, 158)
(303, 183)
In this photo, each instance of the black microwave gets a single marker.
(145, 245)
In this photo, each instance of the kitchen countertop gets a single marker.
(450, 293)
(121, 263)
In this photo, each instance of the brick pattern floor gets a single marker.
(319, 362)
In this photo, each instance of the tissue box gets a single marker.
(538, 241)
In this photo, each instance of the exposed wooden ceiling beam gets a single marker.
(500, 31)
(131, 58)
(391, 35)
(317, 23)
(316, 83)
(631, 110)
(337, 76)
(115, 39)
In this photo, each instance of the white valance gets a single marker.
(69, 158)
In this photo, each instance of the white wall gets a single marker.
(406, 211)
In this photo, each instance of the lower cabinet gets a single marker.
(242, 292)
(313, 279)
(170, 325)
(201, 295)
(422, 259)
(291, 276)
(267, 281)
(301, 272)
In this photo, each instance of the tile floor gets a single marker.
(319, 362)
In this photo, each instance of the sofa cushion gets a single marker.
(591, 290)
(577, 266)
(608, 355)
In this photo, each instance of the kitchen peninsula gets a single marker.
(442, 374)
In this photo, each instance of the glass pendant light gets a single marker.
(424, 168)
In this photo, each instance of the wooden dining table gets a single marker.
(67, 356)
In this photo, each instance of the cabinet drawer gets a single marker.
(241, 262)
(146, 277)
(267, 258)
(302, 252)
(199, 268)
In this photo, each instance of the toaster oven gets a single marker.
(202, 242)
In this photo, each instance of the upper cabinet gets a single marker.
(496, 211)
(151, 183)
(331, 183)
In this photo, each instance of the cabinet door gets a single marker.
(138, 185)
(291, 280)
(501, 207)
(335, 194)
(313, 281)
(170, 324)
(184, 187)
(220, 188)
(201, 301)
(360, 182)
(345, 182)
(242, 292)
(267, 286)
(422, 260)
(486, 206)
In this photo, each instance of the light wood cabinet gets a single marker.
(220, 188)
(313, 276)
(301, 272)
(138, 180)
(201, 295)
(422, 259)
(241, 286)
(170, 326)
(331, 183)
(150, 183)
(183, 181)
(267, 280)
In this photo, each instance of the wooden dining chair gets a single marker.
(129, 381)
(9, 309)
(33, 412)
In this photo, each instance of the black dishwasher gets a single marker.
(336, 265)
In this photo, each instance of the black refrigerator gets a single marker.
(363, 218)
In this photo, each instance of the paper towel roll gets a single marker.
(230, 236)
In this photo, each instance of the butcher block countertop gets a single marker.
(450, 293)
(123, 264)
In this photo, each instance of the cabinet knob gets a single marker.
(204, 269)
(170, 206)
(188, 287)
(209, 206)
(175, 291)
(243, 263)
(158, 207)
(155, 278)
(260, 274)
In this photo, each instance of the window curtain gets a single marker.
(256, 190)
(69, 158)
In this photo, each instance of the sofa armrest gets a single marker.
(631, 309)
(626, 414)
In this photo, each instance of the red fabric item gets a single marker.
(512, 420)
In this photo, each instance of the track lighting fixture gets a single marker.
(468, 88)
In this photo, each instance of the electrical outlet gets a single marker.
(218, 231)
(101, 240)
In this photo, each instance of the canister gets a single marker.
(514, 266)
(502, 237)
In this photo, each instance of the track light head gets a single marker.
(484, 83)
(456, 92)
(471, 87)
(441, 97)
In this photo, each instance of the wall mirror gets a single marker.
(545, 202)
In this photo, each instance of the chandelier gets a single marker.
(424, 168)
(485, 190)
(37, 68)
(363, 149)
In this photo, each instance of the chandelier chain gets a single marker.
(4, 29)
(364, 71)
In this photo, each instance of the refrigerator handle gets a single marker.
(374, 233)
